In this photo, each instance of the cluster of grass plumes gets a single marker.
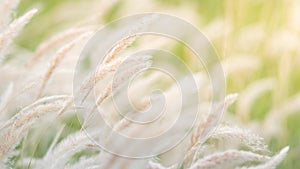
(37, 103)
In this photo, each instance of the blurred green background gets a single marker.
(257, 40)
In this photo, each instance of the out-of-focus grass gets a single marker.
(273, 17)
(47, 21)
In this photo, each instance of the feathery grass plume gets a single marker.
(141, 88)
(58, 57)
(59, 156)
(124, 122)
(14, 95)
(57, 39)
(105, 69)
(209, 124)
(30, 108)
(121, 79)
(118, 48)
(67, 104)
(12, 31)
(23, 120)
(273, 162)
(108, 65)
(206, 127)
(124, 43)
(100, 74)
(228, 159)
(112, 87)
(6, 8)
(34, 110)
(245, 137)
